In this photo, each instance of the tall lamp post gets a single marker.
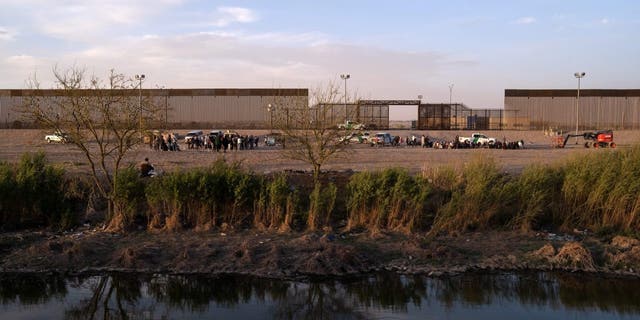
(270, 109)
(455, 117)
(345, 77)
(578, 75)
(166, 107)
(140, 78)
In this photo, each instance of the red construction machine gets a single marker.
(598, 139)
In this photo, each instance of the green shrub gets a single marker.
(322, 201)
(277, 204)
(203, 198)
(477, 202)
(390, 199)
(536, 196)
(601, 190)
(129, 197)
(32, 194)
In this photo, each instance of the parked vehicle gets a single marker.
(193, 134)
(365, 137)
(215, 133)
(477, 138)
(273, 139)
(355, 138)
(58, 136)
(381, 139)
(598, 139)
(350, 125)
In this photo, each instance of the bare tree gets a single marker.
(104, 120)
(310, 134)
(309, 126)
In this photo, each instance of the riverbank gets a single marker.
(295, 255)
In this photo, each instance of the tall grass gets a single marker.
(599, 191)
(391, 199)
(129, 198)
(602, 191)
(477, 201)
(535, 198)
(33, 194)
(277, 205)
(202, 198)
(322, 202)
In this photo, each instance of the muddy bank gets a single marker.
(292, 255)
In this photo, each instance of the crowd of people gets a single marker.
(219, 142)
(164, 142)
(223, 142)
(232, 141)
(426, 142)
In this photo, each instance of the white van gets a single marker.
(192, 134)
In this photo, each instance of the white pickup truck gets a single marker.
(477, 138)
(350, 125)
(57, 136)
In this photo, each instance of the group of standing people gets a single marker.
(223, 142)
(164, 142)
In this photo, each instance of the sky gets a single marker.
(391, 49)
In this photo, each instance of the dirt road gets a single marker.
(537, 149)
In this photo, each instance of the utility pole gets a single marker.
(578, 75)
(345, 77)
(140, 78)
(451, 105)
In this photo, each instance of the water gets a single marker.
(378, 296)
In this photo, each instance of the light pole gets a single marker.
(345, 77)
(166, 107)
(140, 78)
(455, 117)
(270, 109)
(578, 75)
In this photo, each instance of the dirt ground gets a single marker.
(537, 149)
(271, 254)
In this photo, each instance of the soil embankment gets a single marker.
(291, 255)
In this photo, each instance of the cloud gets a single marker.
(214, 60)
(525, 20)
(83, 20)
(604, 21)
(228, 15)
(6, 34)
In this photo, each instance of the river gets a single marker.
(376, 296)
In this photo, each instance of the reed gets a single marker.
(391, 199)
(602, 191)
(322, 201)
(277, 205)
(476, 201)
(33, 194)
(535, 198)
(202, 198)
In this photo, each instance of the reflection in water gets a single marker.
(133, 296)
(30, 289)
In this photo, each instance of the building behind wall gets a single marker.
(185, 108)
(556, 109)
(371, 113)
(457, 116)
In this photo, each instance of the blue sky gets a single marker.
(392, 49)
